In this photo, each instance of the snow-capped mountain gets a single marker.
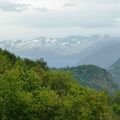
(59, 52)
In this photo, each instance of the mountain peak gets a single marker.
(70, 50)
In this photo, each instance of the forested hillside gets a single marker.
(94, 77)
(115, 71)
(30, 91)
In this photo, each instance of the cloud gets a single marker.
(58, 17)
(81, 14)
(70, 5)
(88, 15)
(42, 9)
(117, 22)
(8, 6)
(94, 1)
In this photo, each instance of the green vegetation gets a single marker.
(30, 91)
(115, 71)
(94, 77)
(115, 103)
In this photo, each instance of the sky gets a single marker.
(28, 19)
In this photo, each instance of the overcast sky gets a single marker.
(26, 19)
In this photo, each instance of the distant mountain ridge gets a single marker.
(103, 57)
(68, 51)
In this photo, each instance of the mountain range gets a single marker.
(68, 51)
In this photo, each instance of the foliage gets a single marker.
(94, 77)
(116, 103)
(115, 71)
(30, 91)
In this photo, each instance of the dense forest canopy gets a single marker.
(94, 77)
(29, 90)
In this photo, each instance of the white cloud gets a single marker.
(49, 4)
(54, 17)
(8, 6)
(70, 5)
(117, 22)
(42, 9)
